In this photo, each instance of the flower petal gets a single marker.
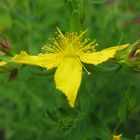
(2, 63)
(68, 78)
(101, 56)
(44, 60)
(117, 137)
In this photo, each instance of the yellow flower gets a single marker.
(117, 137)
(2, 63)
(66, 52)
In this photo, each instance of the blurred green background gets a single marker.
(30, 106)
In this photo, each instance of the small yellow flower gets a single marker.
(68, 53)
(117, 137)
(2, 63)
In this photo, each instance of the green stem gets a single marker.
(117, 126)
(85, 7)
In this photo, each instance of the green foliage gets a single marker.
(108, 101)
(137, 137)
(5, 19)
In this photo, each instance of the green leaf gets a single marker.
(104, 70)
(133, 98)
(122, 110)
(100, 129)
(66, 125)
(123, 107)
(128, 100)
(41, 71)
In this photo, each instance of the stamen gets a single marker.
(60, 32)
(89, 47)
(93, 42)
(79, 36)
(88, 73)
(60, 44)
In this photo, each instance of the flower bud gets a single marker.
(5, 44)
(130, 57)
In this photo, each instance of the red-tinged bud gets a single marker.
(130, 57)
(5, 44)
